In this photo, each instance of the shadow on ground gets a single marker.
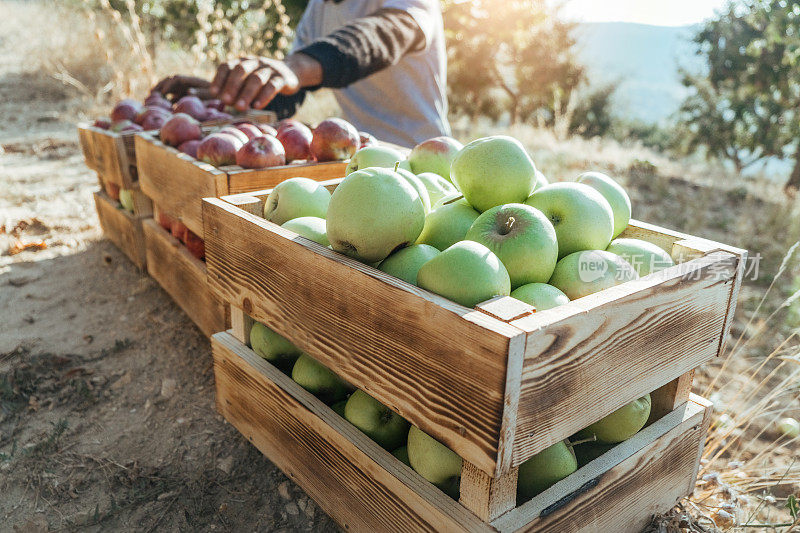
(107, 416)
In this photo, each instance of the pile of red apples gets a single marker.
(251, 145)
(132, 116)
(194, 244)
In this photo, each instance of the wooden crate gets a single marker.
(177, 182)
(113, 155)
(121, 227)
(496, 384)
(183, 277)
(365, 488)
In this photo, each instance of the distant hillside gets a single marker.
(644, 59)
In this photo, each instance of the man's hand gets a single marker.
(180, 86)
(254, 82)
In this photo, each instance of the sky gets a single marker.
(656, 12)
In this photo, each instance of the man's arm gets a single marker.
(353, 52)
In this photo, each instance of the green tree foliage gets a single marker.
(744, 107)
(518, 58)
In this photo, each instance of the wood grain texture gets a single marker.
(121, 228)
(669, 397)
(241, 324)
(487, 497)
(176, 182)
(612, 347)
(111, 154)
(360, 485)
(183, 277)
(621, 490)
(440, 365)
(244, 180)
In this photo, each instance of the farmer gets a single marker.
(385, 60)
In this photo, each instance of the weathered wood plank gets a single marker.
(183, 277)
(360, 485)
(177, 182)
(669, 397)
(612, 347)
(121, 228)
(109, 154)
(440, 365)
(243, 180)
(487, 497)
(622, 489)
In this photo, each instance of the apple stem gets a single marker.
(593, 438)
(396, 165)
(509, 225)
(453, 200)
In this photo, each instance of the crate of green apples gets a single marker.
(495, 312)
(186, 161)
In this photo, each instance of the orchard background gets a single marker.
(106, 389)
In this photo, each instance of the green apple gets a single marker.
(431, 459)
(612, 191)
(583, 273)
(402, 454)
(544, 470)
(540, 295)
(377, 421)
(645, 257)
(338, 407)
(437, 186)
(294, 198)
(376, 156)
(415, 182)
(467, 273)
(447, 224)
(319, 380)
(312, 228)
(406, 262)
(541, 180)
(586, 452)
(372, 213)
(622, 424)
(273, 347)
(434, 155)
(522, 237)
(494, 171)
(789, 427)
(582, 216)
(126, 199)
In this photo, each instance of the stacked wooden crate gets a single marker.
(497, 384)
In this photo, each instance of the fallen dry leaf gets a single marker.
(19, 246)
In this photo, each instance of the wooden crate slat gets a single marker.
(242, 180)
(622, 489)
(356, 482)
(612, 347)
(121, 228)
(440, 365)
(183, 277)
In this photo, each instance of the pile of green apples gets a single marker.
(468, 223)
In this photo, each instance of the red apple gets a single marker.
(112, 189)
(192, 106)
(179, 230)
(179, 129)
(125, 126)
(230, 130)
(156, 99)
(213, 114)
(214, 103)
(296, 140)
(367, 139)
(190, 147)
(195, 245)
(288, 122)
(266, 129)
(127, 109)
(152, 117)
(165, 221)
(219, 149)
(334, 140)
(103, 123)
(250, 130)
(261, 152)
